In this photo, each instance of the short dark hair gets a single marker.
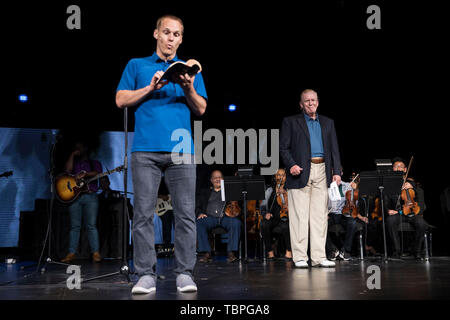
(398, 159)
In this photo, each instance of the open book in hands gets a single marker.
(191, 67)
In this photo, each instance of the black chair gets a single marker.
(276, 239)
(216, 231)
(428, 241)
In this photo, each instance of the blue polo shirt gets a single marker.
(164, 111)
(315, 134)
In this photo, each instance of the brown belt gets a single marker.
(317, 160)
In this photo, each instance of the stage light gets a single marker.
(23, 98)
(232, 107)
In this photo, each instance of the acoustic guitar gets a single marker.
(68, 187)
(162, 206)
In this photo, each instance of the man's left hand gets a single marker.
(337, 178)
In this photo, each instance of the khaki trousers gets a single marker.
(308, 215)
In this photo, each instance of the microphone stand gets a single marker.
(124, 269)
(48, 235)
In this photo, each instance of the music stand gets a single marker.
(243, 188)
(387, 182)
(368, 186)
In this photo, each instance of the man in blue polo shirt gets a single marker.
(160, 110)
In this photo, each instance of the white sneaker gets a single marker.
(185, 283)
(327, 264)
(146, 284)
(301, 264)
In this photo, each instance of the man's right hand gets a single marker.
(201, 216)
(268, 216)
(295, 170)
(392, 212)
(156, 77)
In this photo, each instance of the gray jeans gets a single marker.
(147, 169)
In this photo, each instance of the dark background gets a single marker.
(384, 88)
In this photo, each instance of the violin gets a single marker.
(408, 196)
(232, 209)
(282, 200)
(351, 196)
(410, 205)
(253, 218)
(376, 213)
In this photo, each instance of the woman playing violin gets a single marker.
(274, 210)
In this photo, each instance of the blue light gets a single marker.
(232, 107)
(23, 98)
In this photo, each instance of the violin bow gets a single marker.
(355, 178)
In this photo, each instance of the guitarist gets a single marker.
(395, 216)
(85, 207)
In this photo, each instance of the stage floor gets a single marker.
(255, 280)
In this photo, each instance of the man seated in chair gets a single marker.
(212, 212)
(274, 211)
(396, 208)
(336, 248)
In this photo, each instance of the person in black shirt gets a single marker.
(110, 220)
(275, 215)
(395, 216)
(210, 211)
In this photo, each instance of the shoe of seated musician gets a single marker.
(346, 256)
(231, 257)
(418, 256)
(327, 264)
(206, 258)
(96, 257)
(334, 255)
(301, 264)
(396, 255)
(68, 258)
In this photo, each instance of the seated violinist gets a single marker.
(274, 210)
(212, 212)
(345, 213)
(408, 206)
(370, 205)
